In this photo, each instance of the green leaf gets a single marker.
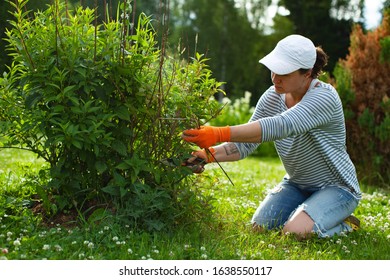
(123, 166)
(111, 189)
(119, 147)
(123, 113)
(68, 88)
(77, 144)
(97, 215)
(123, 191)
(119, 179)
(100, 166)
(33, 99)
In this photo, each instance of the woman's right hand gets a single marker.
(199, 160)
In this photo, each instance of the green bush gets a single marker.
(103, 105)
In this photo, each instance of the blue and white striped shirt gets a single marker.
(309, 137)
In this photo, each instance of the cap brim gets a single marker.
(277, 64)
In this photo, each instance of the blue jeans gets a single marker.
(327, 207)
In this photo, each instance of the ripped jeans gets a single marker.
(327, 207)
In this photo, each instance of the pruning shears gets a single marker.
(175, 162)
(194, 164)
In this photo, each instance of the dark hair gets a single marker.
(321, 62)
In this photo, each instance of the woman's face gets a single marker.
(295, 82)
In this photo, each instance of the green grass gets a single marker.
(226, 235)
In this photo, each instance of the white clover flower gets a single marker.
(115, 238)
(271, 246)
(91, 245)
(9, 234)
(204, 256)
(202, 248)
(129, 251)
(58, 248)
(46, 247)
(17, 243)
(106, 228)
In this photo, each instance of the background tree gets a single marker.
(226, 35)
(327, 22)
(234, 34)
(363, 82)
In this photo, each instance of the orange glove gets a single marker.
(207, 136)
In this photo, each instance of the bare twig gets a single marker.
(220, 166)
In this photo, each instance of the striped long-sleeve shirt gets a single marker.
(309, 137)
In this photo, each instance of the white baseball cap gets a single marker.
(290, 54)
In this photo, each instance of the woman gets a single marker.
(304, 117)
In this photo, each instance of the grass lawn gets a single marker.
(226, 235)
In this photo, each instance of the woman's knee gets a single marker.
(300, 223)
